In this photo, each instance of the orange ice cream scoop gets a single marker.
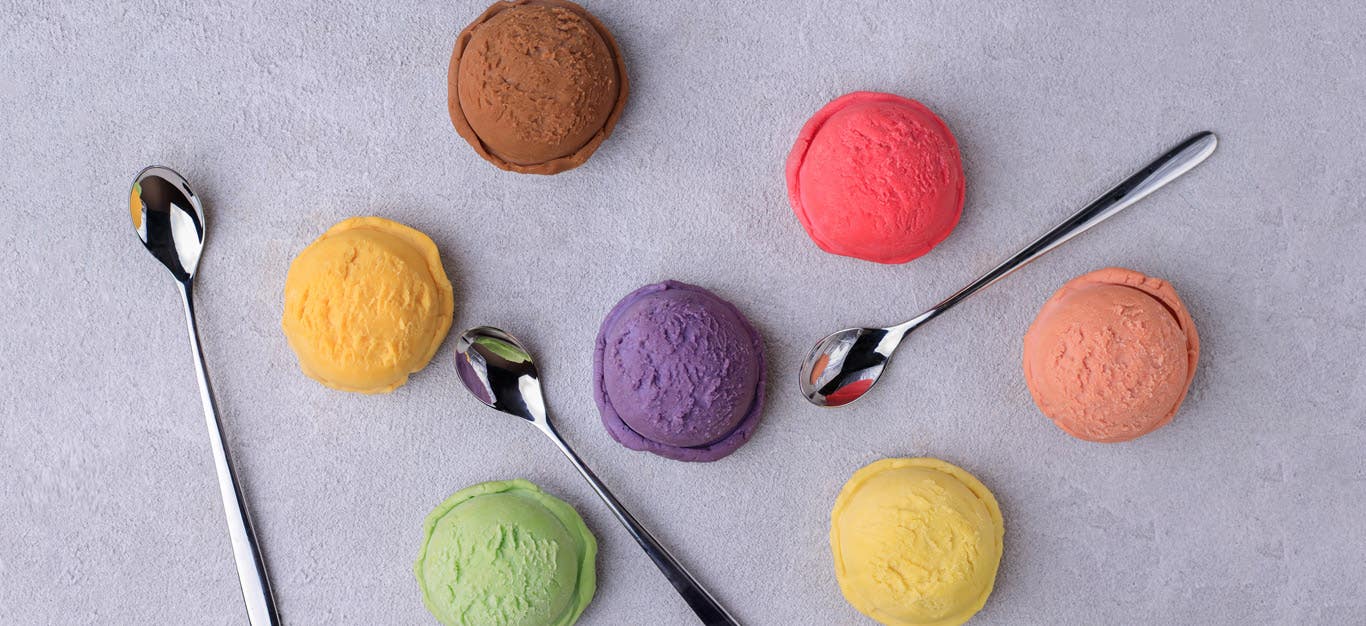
(1111, 354)
(367, 304)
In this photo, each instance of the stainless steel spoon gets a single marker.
(844, 365)
(170, 222)
(495, 367)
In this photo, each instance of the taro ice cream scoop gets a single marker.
(679, 372)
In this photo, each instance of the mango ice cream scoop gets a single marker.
(916, 542)
(506, 553)
(367, 304)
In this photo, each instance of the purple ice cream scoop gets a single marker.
(679, 372)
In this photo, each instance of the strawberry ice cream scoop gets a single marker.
(877, 177)
(1110, 356)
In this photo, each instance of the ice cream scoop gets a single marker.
(500, 373)
(679, 372)
(846, 364)
(169, 220)
(506, 553)
(876, 176)
(535, 86)
(916, 542)
(1111, 355)
(367, 304)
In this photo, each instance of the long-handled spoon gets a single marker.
(844, 365)
(495, 367)
(170, 222)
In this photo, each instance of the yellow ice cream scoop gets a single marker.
(367, 304)
(916, 542)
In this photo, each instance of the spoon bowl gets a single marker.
(495, 367)
(846, 364)
(168, 219)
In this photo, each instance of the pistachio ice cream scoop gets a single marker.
(505, 553)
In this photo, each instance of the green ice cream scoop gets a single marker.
(505, 553)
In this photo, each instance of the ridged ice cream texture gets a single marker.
(536, 85)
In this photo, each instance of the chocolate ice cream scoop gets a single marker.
(535, 86)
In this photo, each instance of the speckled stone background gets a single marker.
(287, 117)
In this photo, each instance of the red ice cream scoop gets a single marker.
(877, 177)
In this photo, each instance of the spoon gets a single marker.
(495, 367)
(844, 365)
(170, 222)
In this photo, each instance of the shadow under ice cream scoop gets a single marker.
(679, 372)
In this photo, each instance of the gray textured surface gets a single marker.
(1246, 509)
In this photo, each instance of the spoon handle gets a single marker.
(708, 610)
(251, 569)
(1165, 169)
